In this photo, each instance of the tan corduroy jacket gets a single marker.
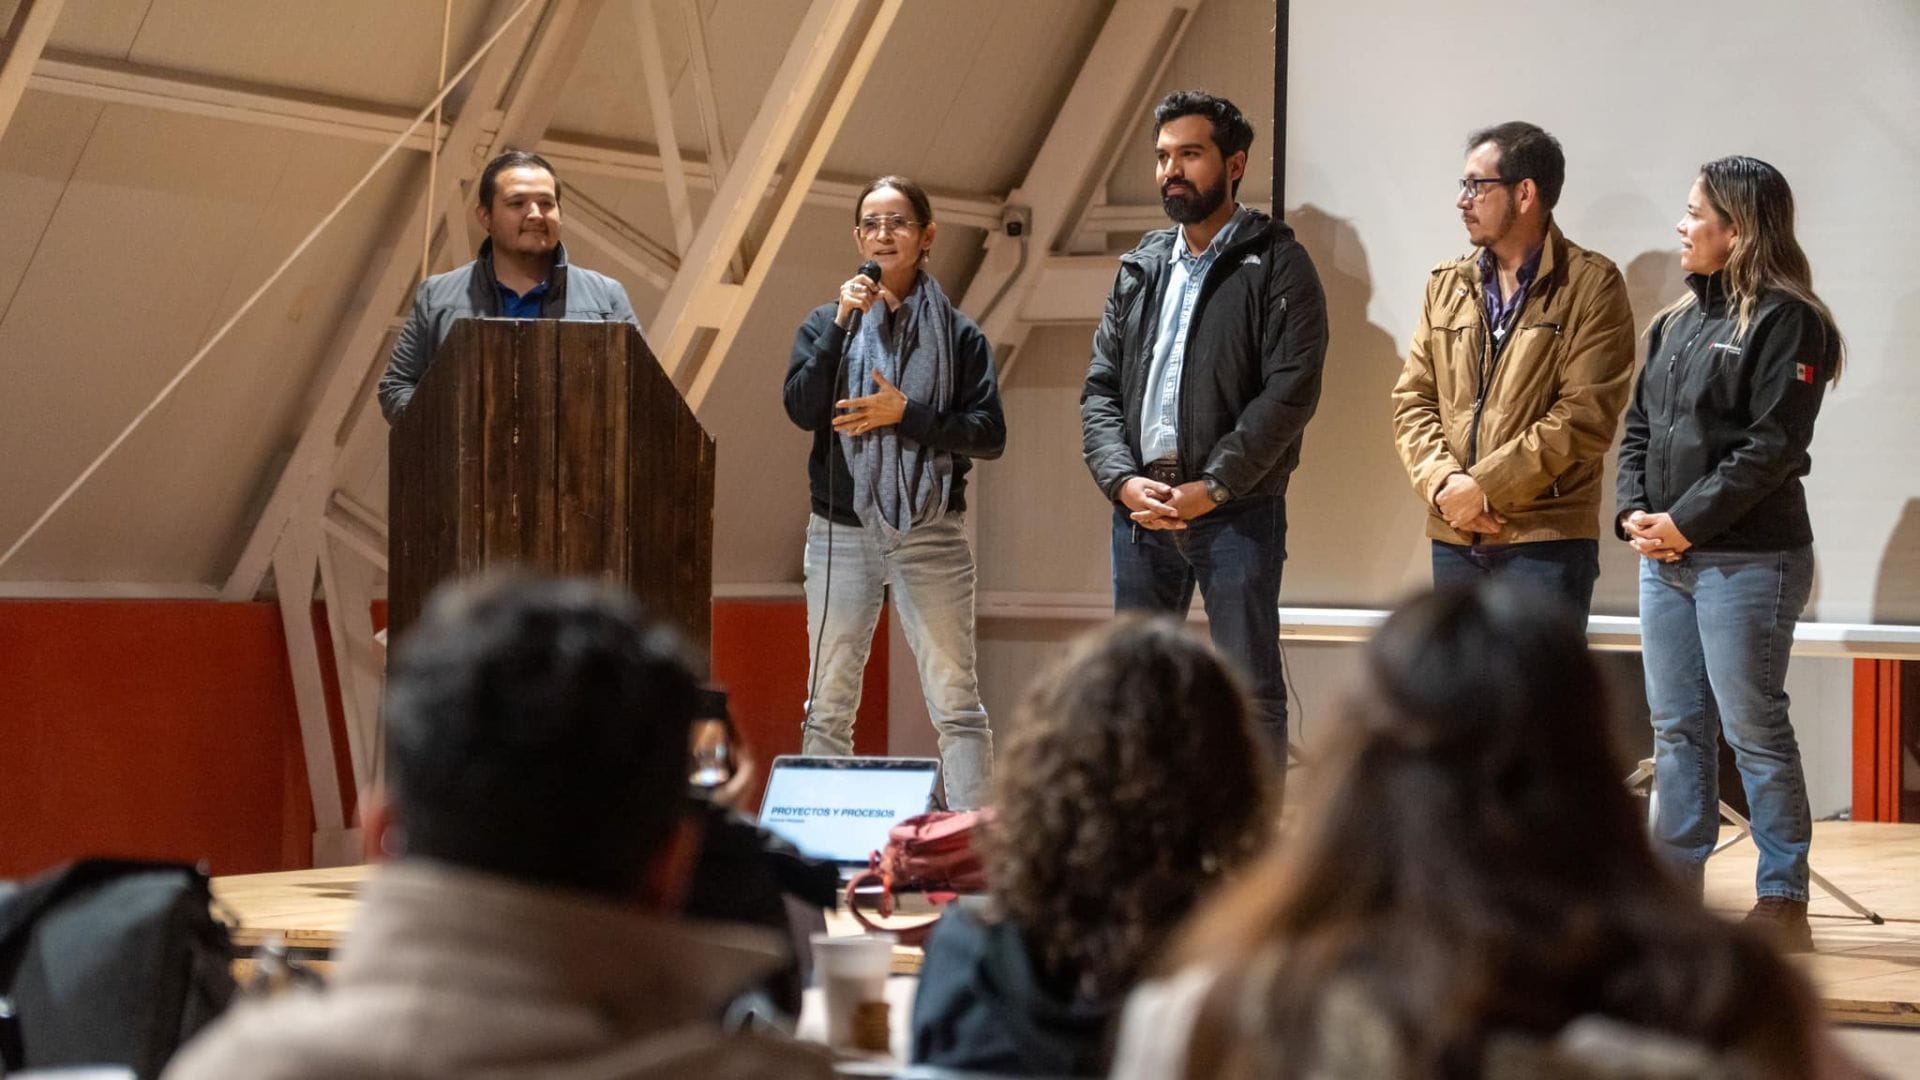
(1531, 422)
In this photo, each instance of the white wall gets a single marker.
(1640, 92)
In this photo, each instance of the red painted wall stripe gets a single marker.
(150, 729)
(168, 729)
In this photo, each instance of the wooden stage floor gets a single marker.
(1866, 974)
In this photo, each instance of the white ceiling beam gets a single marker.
(1072, 164)
(653, 67)
(362, 515)
(1068, 289)
(700, 67)
(20, 49)
(631, 161)
(529, 103)
(707, 102)
(628, 247)
(363, 538)
(701, 300)
(294, 568)
(120, 83)
(349, 605)
(793, 192)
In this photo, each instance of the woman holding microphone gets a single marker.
(898, 389)
(1710, 496)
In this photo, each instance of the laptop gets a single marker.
(839, 809)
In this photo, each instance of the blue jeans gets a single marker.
(1565, 568)
(1234, 555)
(932, 578)
(1716, 629)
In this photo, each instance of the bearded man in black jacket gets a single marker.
(1205, 371)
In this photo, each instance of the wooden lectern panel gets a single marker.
(558, 447)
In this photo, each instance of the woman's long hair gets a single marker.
(1132, 782)
(1754, 199)
(1473, 865)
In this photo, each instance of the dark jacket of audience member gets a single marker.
(1471, 894)
(1131, 784)
(747, 875)
(981, 1000)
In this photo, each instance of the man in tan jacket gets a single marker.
(1515, 380)
(533, 856)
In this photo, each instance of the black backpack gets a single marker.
(109, 962)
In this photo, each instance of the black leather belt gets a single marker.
(1165, 471)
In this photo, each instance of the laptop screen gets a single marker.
(840, 808)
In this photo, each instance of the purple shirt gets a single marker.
(1502, 310)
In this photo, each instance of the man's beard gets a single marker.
(1188, 209)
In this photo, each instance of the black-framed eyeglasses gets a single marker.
(877, 225)
(1472, 187)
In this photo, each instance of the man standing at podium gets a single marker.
(521, 273)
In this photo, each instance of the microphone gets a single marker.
(871, 271)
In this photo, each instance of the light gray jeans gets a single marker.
(931, 574)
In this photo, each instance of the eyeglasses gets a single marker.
(1472, 187)
(871, 225)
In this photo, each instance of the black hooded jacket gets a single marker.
(1718, 431)
(1251, 380)
(983, 1005)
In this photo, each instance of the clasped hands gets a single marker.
(1655, 535)
(1463, 503)
(1154, 505)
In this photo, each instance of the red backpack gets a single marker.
(932, 853)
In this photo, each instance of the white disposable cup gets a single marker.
(852, 971)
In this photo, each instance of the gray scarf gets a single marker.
(897, 483)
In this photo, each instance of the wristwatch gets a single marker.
(1216, 490)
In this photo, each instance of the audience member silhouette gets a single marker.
(1471, 894)
(1132, 781)
(537, 844)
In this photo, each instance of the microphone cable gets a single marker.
(871, 271)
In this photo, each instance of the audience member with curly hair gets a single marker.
(1131, 783)
(1471, 894)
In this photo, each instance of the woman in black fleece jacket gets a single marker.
(1710, 496)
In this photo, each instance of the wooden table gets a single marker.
(310, 911)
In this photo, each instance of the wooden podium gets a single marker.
(558, 447)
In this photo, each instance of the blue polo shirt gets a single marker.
(515, 306)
